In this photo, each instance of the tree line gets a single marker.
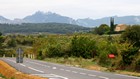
(57, 28)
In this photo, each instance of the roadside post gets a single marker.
(19, 56)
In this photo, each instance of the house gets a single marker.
(120, 27)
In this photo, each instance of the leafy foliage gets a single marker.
(132, 34)
(82, 47)
(102, 29)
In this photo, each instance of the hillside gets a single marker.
(49, 17)
(58, 28)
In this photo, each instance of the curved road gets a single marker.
(56, 71)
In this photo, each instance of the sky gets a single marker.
(75, 9)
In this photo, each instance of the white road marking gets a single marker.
(34, 63)
(91, 75)
(103, 77)
(36, 70)
(50, 76)
(74, 72)
(59, 76)
(38, 64)
(54, 68)
(44, 75)
(83, 73)
(67, 70)
(22, 65)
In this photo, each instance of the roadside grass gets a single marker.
(128, 73)
(90, 64)
(8, 72)
(1, 76)
(77, 62)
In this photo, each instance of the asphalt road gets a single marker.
(56, 71)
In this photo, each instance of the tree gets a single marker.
(1, 46)
(132, 34)
(0, 34)
(112, 26)
(102, 29)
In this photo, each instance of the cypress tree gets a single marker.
(112, 26)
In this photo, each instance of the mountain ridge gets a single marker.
(50, 17)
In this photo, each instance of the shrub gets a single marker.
(82, 47)
(132, 34)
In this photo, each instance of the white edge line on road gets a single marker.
(103, 77)
(59, 76)
(74, 72)
(67, 70)
(22, 65)
(83, 73)
(45, 75)
(54, 68)
(36, 70)
(38, 64)
(91, 75)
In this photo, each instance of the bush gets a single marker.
(132, 34)
(104, 49)
(55, 51)
(103, 59)
(83, 47)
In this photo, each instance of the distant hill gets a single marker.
(57, 28)
(40, 17)
(4, 20)
(49, 17)
(130, 20)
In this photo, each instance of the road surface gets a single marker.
(56, 71)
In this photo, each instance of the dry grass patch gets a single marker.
(129, 73)
(10, 72)
(99, 68)
(96, 67)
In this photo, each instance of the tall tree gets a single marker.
(112, 26)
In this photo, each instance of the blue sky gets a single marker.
(72, 8)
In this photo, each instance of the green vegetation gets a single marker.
(76, 49)
(3, 77)
(57, 28)
(1, 44)
(102, 29)
(132, 34)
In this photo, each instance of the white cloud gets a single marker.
(72, 8)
